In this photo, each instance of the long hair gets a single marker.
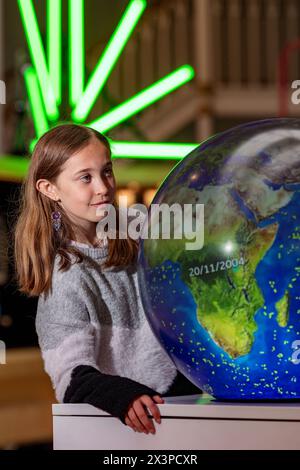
(36, 244)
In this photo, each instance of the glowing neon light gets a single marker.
(143, 99)
(109, 58)
(54, 45)
(36, 103)
(44, 86)
(76, 50)
(158, 151)
(38, 57)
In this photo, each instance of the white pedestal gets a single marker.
(188, 423)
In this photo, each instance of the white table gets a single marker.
(188, 423)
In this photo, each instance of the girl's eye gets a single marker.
(85, 178)
(108, 172)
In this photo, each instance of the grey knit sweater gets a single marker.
(95, 340)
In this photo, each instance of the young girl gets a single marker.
(95, 340)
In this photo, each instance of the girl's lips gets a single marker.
(100, 203)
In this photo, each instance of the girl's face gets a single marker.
(86, 181)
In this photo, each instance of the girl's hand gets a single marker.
(136, 417)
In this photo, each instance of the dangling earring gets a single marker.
(56, 220)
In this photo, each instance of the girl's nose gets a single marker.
(101, 187)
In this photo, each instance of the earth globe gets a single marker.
(228, 312)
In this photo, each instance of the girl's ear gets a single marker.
(48, 189)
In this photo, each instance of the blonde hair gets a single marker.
(35, 242)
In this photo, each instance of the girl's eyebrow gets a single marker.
(84, 169)
(92, 169)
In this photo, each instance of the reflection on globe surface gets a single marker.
(229, 314)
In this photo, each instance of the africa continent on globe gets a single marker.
(228, 314)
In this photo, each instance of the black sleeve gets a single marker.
(110, 393)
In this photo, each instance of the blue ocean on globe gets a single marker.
(228, 314)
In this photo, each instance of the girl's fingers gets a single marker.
(158, 399)
(154, 410)
(141, 413)
(135, 420)
(129, 423)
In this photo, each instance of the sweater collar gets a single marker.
(89, 250)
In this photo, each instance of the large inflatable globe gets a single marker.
(228, 314)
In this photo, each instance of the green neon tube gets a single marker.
(36, 104)
(144, 99)
(13, 168)
(76, 50)
(146, 150)
(54, 46)
(108, 59)
(38, 57)
(159, 151)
